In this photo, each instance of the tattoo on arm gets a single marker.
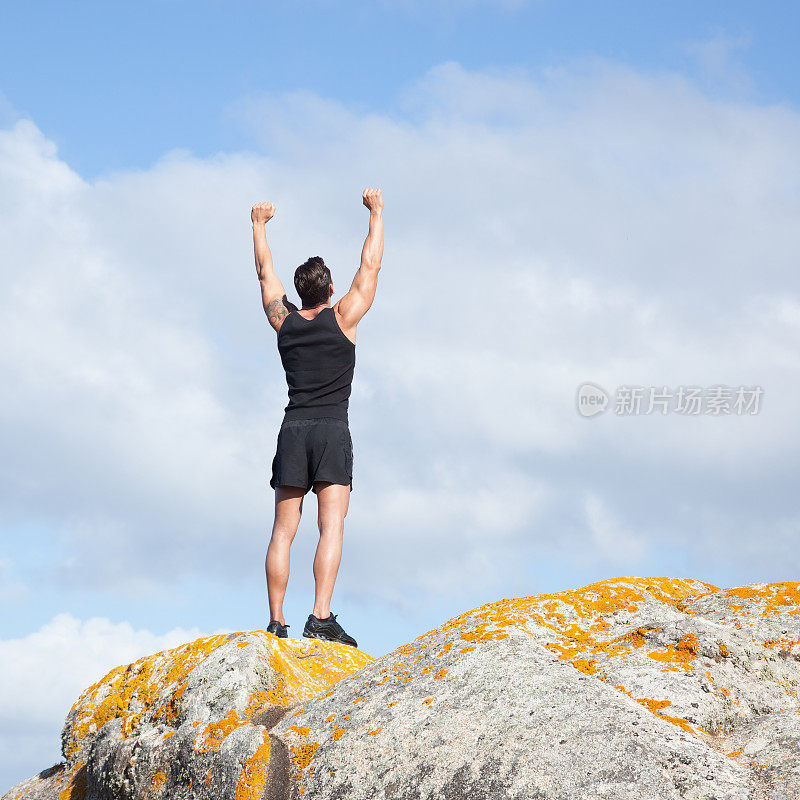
(277, 312)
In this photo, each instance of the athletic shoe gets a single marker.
(277, 629)
(328, 629)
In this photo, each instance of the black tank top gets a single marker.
(319, 361)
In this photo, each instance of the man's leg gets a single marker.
(288, 507)
(333, 500)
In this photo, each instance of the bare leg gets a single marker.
(288, 507)
(333, 500)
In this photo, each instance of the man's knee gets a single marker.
(285, 527)
(331, 526)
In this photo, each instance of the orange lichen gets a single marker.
(153, 687)
(253, 777)
(772, 597)
(635, 638)
(330, 718)
(215, 732)
(171, 710)
(572, 624)
(375, 732)
(681, 723)
(144, 682)
(482, 633)
(75, 788)
(302, 755)
(586, 605)
(338, 733)
(682, 653)
(159, 780)
(653, 705)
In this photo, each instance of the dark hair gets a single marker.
(312, 280)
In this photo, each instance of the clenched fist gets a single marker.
(262, 213)
(372, 199)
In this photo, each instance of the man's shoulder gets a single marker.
(281, 311)
(348, 331)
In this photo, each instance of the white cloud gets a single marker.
(613, 541)
(43, 673)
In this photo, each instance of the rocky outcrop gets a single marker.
(192, 722)
(627, 688)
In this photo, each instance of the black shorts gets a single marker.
(311, 450)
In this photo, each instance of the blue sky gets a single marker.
(117, 85)
(573, 193)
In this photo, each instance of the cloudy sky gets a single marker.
(572, 194)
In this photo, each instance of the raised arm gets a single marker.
(273, 296)
(352, 307)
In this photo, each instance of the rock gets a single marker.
(190, 722)
(626, 688)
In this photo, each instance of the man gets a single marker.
(317, 347)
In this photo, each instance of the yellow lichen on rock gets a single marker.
(578, 625)
(155, 685)
(215, 732)
(304, 668)
(75, 788)
(768, 597)
(253, 777)
(143, 682)
(247, 709)
(302, 753)
(682, 654)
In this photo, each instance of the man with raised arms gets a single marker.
(317, 345)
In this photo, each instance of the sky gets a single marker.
(573, 193)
